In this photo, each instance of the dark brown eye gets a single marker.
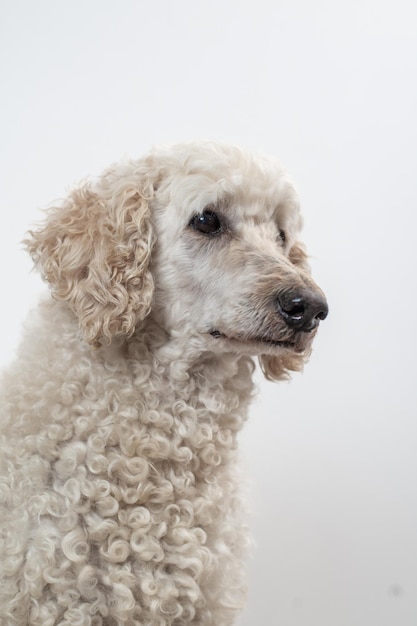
(282, 237)
(207, 223)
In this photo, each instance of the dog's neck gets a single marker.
(178, 358)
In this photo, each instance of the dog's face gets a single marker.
(227, 265)
(201, 237)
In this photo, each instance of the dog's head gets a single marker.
(226, 270)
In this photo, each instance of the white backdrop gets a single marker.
(330, 88)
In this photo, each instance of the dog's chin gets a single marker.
(258, 345)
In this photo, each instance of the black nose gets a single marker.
(302, 309)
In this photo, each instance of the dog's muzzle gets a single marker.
(303, 309)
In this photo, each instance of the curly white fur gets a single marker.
(119, 486)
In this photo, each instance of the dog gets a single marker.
(169, 276)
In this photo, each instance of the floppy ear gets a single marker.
(94, 251)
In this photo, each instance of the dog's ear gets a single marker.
(94, 251)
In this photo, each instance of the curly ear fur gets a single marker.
(94, 251)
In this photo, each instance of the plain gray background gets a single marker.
(330, 88)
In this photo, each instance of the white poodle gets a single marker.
(119, 421)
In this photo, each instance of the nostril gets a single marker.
(293, 308)
(302, 311)
(323, 313)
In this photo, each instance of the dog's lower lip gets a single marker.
(266, 340)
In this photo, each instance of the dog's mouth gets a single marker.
(296, 345)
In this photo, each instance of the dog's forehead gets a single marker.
(270, 198)
(239, 183)
(252, 196)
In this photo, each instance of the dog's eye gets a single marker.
(282, 237)
(207, 223)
